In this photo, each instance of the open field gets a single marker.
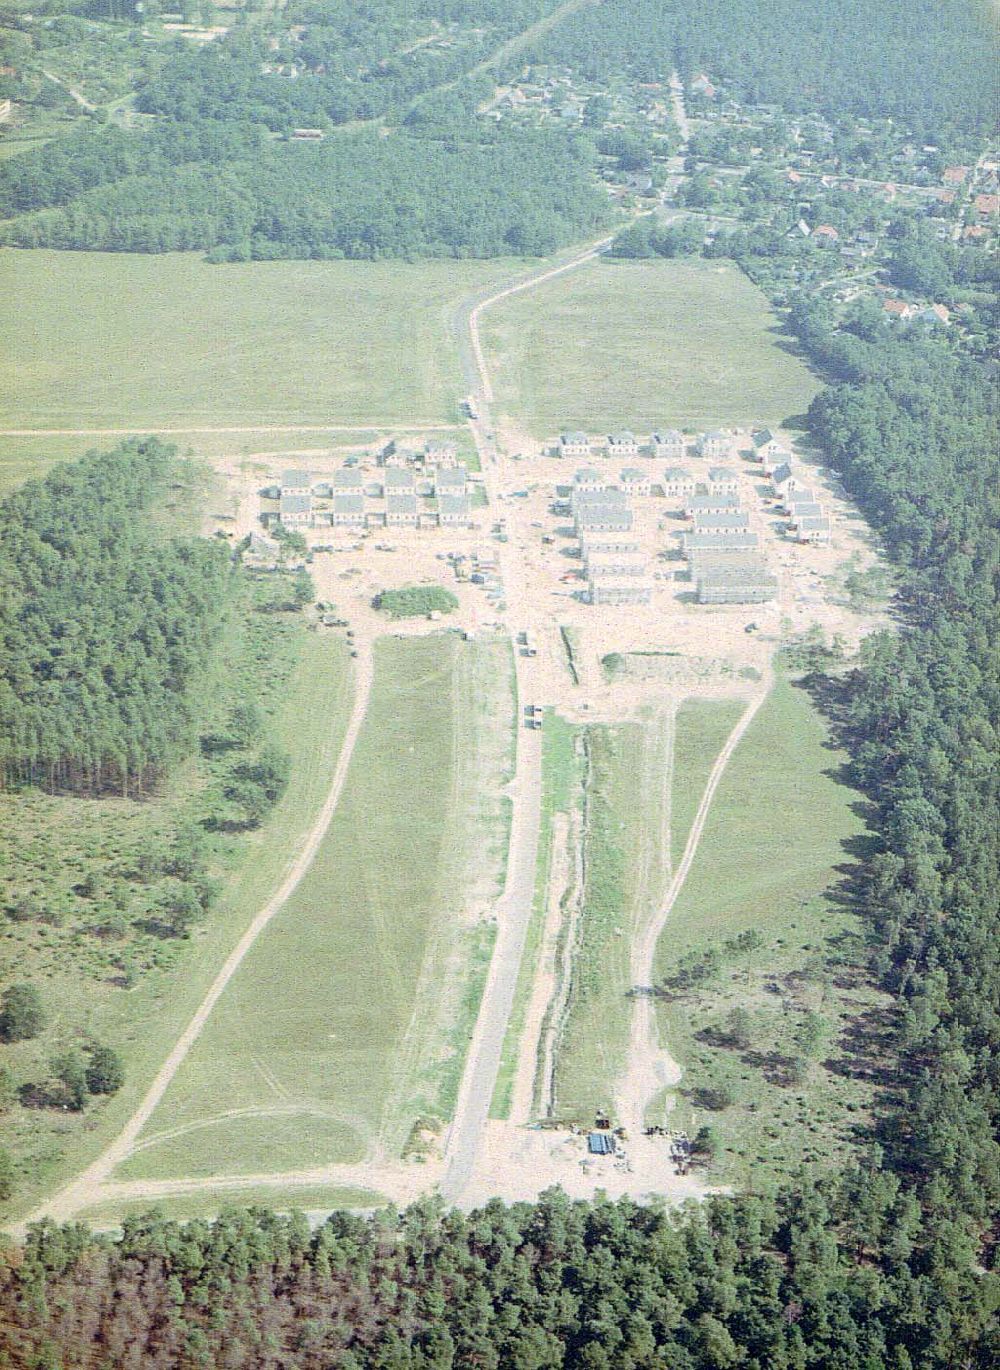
(144, 1022)
(370, 976)
(701, 727)
(773, 845)
(105, 340)
(24, 459)
(642, 344)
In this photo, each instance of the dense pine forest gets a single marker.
(106, 625)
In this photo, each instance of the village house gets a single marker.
(401, 511)
(615, 564)
(722, 481)
(440, 452)
(602, 518)
(745, 583)
(677, 481)
(635, 482)
(396, 457)
(715, 444)
(348, 510)
(574, 445)
(348, 478)
(806, 509)
(697, 544)
(398, 481)
(587, 480)
(453, 511)
(898, 309)
(592, 544)
(799, 495)
(764, 444)
(937, 315)
(710, 504)
(986, 206)
(813, 530)
(450, 480)
(954, 175)
(296, 511)
(826, 235)
(729, 524)
(669, 443)
(783, 482)
(627, 590)
(622, 444)
(295, 483)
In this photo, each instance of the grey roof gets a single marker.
(453, 504)
(762, 438)
(670, 435)
(351, 503)
(677, 473)
(632, 473)
(814, 525)
(401, 504)
(583, 498)
(451, 475)
(293, 479)
(717, 434)
(397, 478)
(708, 523)
(624, 436)
(712, 542)
(781, 473)
(721, 473)
(806, 509)
(436, 445)
(574, 438)
(800, 495)
(348, 478)
(609, 516)
(699, 504)
(296, 504)
(587, 473)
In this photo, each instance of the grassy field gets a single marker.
(121, 340)
(772, 847)
(626, 871)
(700, 730)
(347, 1021)
(143, 1022)
(638, 344)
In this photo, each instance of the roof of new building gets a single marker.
(574, 439)
(781, 473)
(606, 495)
(587, 473)
(294, 480)
(621, 438)
(453, 504)
(398, 478)
(295, 504)
(351, 503)
(716, 435)
(814, 525)
(806, 509)
(800, 495)
(401, 504)
(600, 1144)
(451, 475)
(763, 437)
(705, 503)
(668, 435)
(676, 473)
(709, 523)
(719, 542)
(348, 478)
(613, 517)
(437, 445)
(631, 474)
(721, 473)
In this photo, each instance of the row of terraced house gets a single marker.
(393, 497)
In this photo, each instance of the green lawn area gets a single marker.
(96, 339)
(700, 731)
(145, 1021)
(770, 850)
(687, 343)
(348, 1019)
(625, 864)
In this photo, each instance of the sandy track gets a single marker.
(650, 1067)
(85, 1189)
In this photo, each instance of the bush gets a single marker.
(105, 1073)
(21, 1013)
(414, 600)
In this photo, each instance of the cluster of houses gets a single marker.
(603, 523)
(721, 551)
(668, 443)
(808, 520)
(390, 497)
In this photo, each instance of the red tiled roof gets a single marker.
(987, 204)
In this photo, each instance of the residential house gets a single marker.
(594, 543)
(677, 481)
(799, 495)
(954, 175)
(450, 480)
(626, 590)
(396, 457)
(986, 206)
(296, 511)
(588, 480)
(295, 483)
(669, 443)
(398, 481)
(898, 309)
(714, 543)
(602, 518)
(730, 524)
(749, 583)
(804, 509)
(615, 565)
(453, 510)
(440, 452)
(825, 235)
(722, 481)
(574, 445)
(348, 478)
(348, 510)
(813, 530)
(764, 443)
(710, 504)
(622, 444)
(401, 511)
(635, 482)
(715, 444)
(937, 315)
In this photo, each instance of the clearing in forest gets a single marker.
(770, 1035)
(626, 344)
(347, 1021)
(98, 339)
